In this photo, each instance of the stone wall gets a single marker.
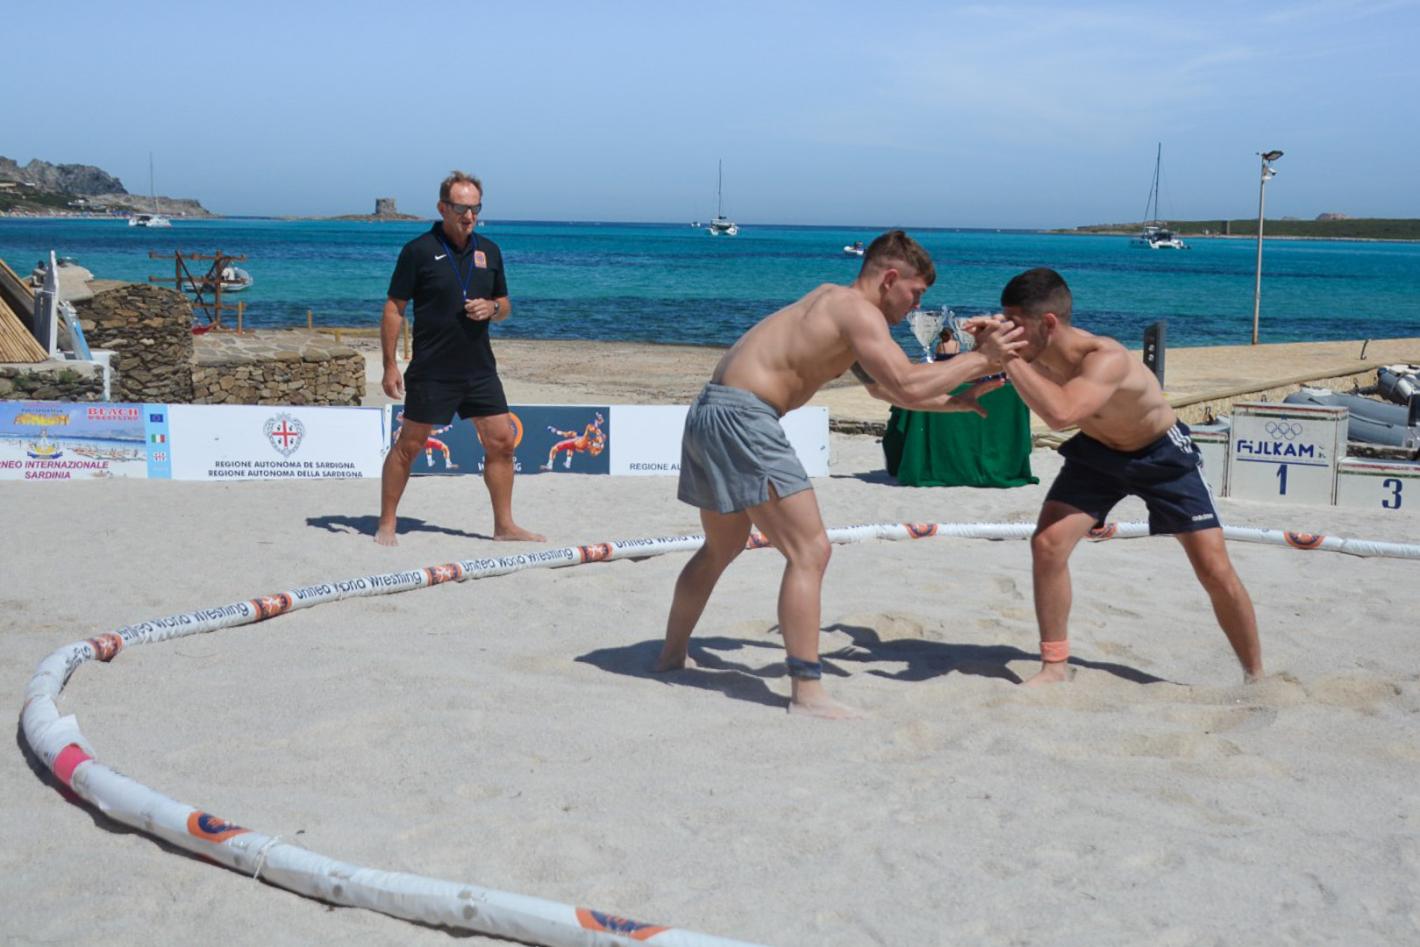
(1203, 409)
(52, 380)
(276, 368)
(149, 330)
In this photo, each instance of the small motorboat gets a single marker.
(1398, 383)
(854, 249)
(235, 279)
(1368, 421)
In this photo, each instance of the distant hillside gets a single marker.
(1327, 226)
(43, 188)
(81, 180)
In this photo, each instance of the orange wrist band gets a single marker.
(1052, 652)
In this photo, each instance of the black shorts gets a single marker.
(1167, 475)
(428, 401)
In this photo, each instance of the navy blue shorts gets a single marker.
(1167, 475)
(434, 402)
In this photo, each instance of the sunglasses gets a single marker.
(461, 209)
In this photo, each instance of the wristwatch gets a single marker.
(497, 307)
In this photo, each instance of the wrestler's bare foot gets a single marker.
(811, 700)
(672, 661)
(516, 534)
(385, 535)
(1052, 672)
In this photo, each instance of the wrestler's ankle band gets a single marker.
(804, 670)
(1052, 652)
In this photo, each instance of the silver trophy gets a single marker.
(926, 326)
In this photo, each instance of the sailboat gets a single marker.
(721, 225)
(154, 219)
(1155, 236)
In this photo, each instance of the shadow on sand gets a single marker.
(745, 676)
(922, 659)
(366, 525)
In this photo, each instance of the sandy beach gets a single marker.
(506, 731)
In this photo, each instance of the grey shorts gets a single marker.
(732, 450)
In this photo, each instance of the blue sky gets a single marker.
(894, 113)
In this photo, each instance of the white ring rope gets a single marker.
(63, 748)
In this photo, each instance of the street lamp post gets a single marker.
(1267, 174)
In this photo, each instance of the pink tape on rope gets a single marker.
(67, 761)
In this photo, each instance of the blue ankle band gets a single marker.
(804, 670)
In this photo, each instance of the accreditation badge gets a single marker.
(480, 259)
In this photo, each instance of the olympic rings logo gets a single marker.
(1283, 430)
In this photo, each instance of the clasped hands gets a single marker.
(480, 310)
(997, 338)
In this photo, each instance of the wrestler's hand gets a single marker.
(393, 383)
(479, 310)
(1001, 342)
(979, 324)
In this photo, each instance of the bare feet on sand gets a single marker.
(516, 534)
(810, 700)
(1051, 672)
(385, 535)
(673, 658)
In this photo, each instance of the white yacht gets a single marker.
(1155, 236)
(721, 226)
(154, 219)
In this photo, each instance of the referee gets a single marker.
(455, 279)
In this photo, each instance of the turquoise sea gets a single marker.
(672, 283)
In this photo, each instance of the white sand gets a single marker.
(504, 731)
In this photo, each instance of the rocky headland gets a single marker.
(41, 188)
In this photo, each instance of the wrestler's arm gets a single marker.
(897, 379)
(1061, 406)
(965, 401)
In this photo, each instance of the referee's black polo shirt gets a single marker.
(448, 346)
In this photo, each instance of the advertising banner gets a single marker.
(548, 438)
(53, 440)
(648, 439)
(272, 442)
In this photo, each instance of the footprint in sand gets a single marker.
(1121, 652)
(887, 625)
(1239, 720)
(1116, 611)
(1007, 586)
(1361, 694)
(1177, 746)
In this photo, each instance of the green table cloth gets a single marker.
(936, 449)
